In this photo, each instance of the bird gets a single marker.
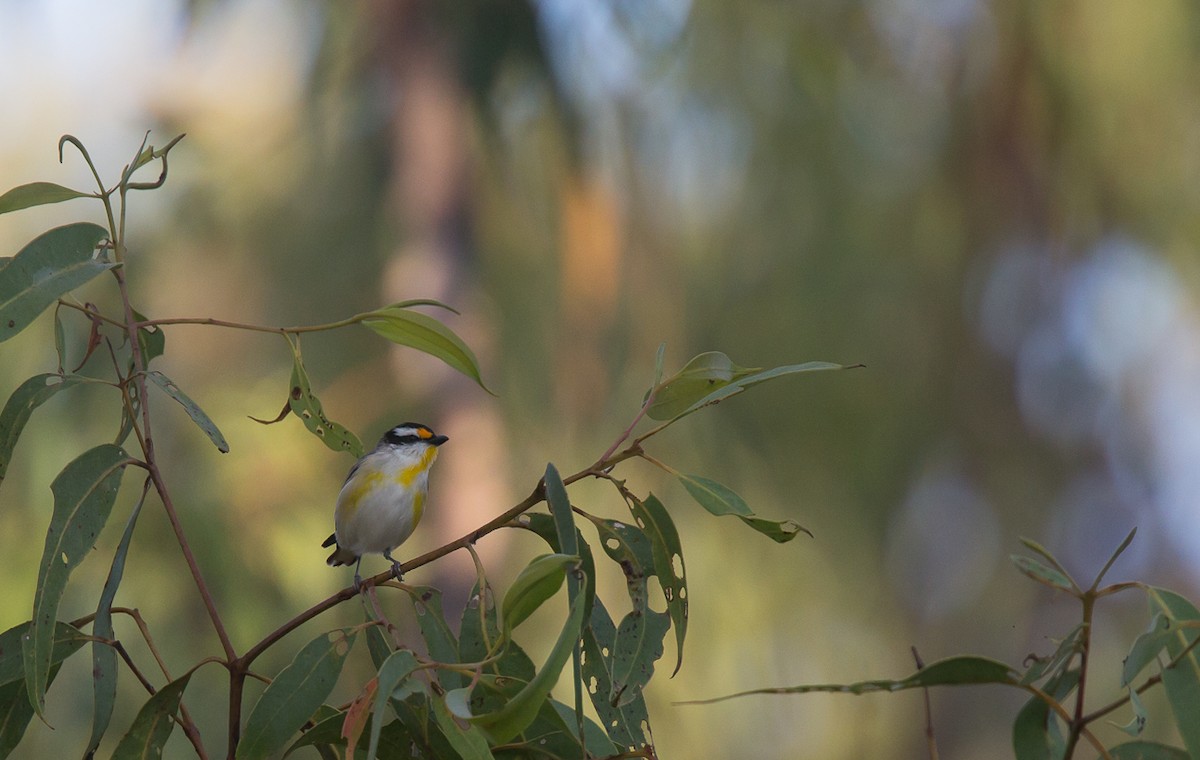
(383, 497)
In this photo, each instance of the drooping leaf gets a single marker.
(666, 549)
(639, 638)
(67, 640)
(36, 194)
(479, 632)
(152, 341)
(84, 493)
(153, 724)
(517, 713)
(623, 722)
(54, 263)
(397, 668)
(28, 396)
(16, 712)
(424, 333)
(1181, 682)
(197, 414)
(1137, 723)
(546, 526)
(1041, 573)
(1036, 733)
(439, 639)
(565, 532)
(952, 671)
(104, 656)
(295, 694)
(357, 715)
(537, 582)
(307, 407)
(468, 740)
(1147, 647)
(1056, 663)
(720, 500)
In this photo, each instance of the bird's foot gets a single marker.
(397, 570)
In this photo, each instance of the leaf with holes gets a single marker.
(54, 263)
(666, 550)
(153, 724)
(36, 194)
(84, 493)
(295, 694)
(197, 414)
(424, 333)
(624, 722)
(439, 639)
(1181, 682)
(307, 407)
(28, 396)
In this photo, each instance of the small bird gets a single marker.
(383, 497)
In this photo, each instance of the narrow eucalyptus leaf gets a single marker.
(440, 641)
(197, 414)
(1147, 647)
(16, 712)
(54, 263)
(1181, 682)
(67, 640)
(1144, 750)
(1041, 573)
(1137, 722)
(153, 724)
(304, 403)
(295, 694)
(468, 741)
(84, 493)
(397, 668)
(667, 550)
(36, 194)
(28, 396)
(623, 722)
(715, 497)
(1036, 734)
(540, 580)
(426, 334)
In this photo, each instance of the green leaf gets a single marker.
(307, 407)
(623, 722)
(153, 724)
(1147, 646)
(36, 194)
(1043, 574)
(67, 640)
(540, 580)
(104, 656)
(54, 263)
(396, 742)
(424, 333)
(295, 694)
(952, 671)
(567, 535)
(397, 668)
(60, 340)
(1143, 750)
(469, 741)
(16, 712)
(84, 493)
(639, 638)
(31, 394)
(516, 714)
(479, 632)
(653, 518)
(546, 526)
(197, 414)
(1181, 682)
(1036, 734)
(439, 639)
(152, 341)
(720, 500)
(1137, 723)
(1054, 664)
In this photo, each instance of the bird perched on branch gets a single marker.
(383, 497)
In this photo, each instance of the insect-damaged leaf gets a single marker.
(153, 724)
(624, 722)
(667, 550)
(84, 493)
(54, 263)
(197, 414)
(307, 407)
(295, 694)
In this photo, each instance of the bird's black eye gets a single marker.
(398, 439)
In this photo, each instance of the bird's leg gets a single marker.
(387, 554)
(357, 577)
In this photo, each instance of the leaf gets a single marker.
(153, 724)
(1143, 750)
(308, 408)
(84, 493)
(623, 722)
(516, 714)
(952, 671)
(1113, 557)
(653, 518)
(36, 194)
(1182, 681)
(720, 500)
(67, 640)
(16, 712)
(357, 715)
(639, 638)
(468, 741)
(197, 414)
(537, 582)
(1136, 724)
(104, 656)
(567, 535)
(295, 694)
(1056, 662)
(54, 263)
(31, 394)
(1147, 646)
(152, 341)
(479, 632)
(424, 333)
(439, 639)
(547, 527)
(1045, 575)
(1036, 734)
(397, 668)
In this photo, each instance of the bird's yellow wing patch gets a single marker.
(418, 507)
(355, 490)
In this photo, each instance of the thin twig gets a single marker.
(929, 736)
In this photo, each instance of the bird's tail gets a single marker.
(340, 556)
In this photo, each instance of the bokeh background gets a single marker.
(991, 205)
